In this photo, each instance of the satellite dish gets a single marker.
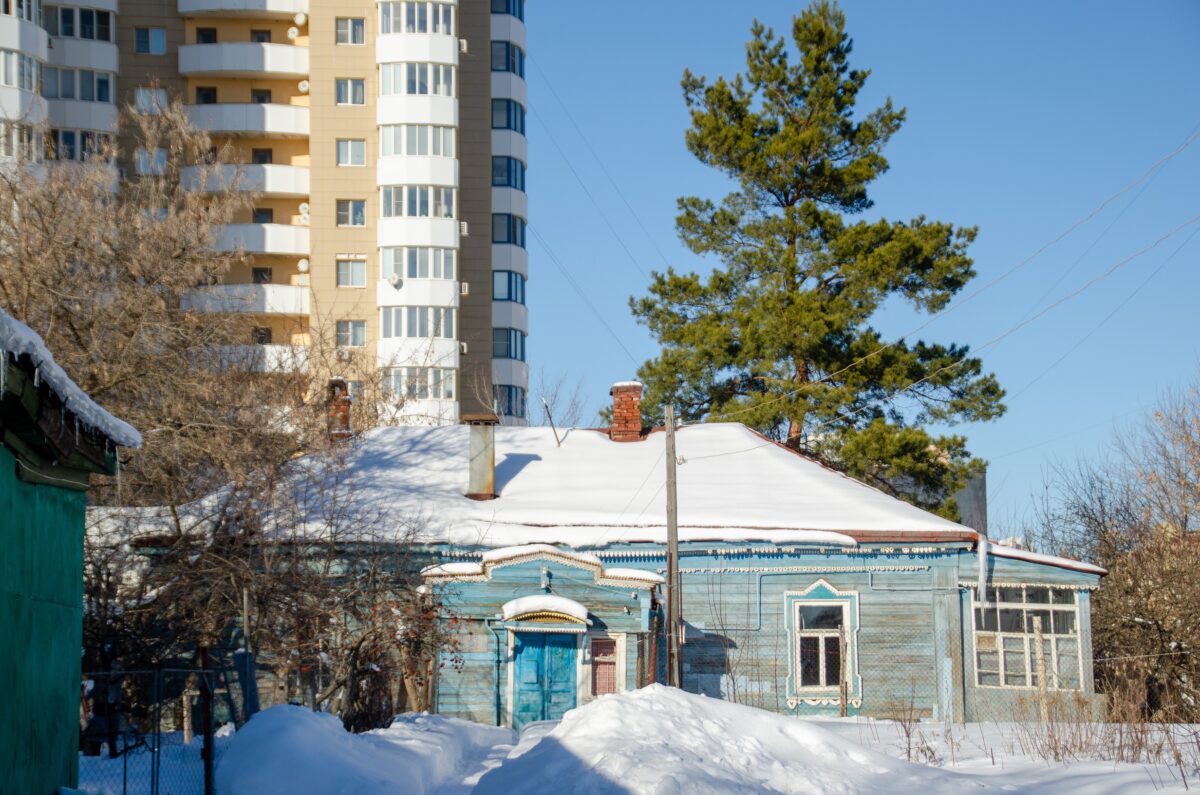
(293, 32)
(395, 281)
(303, 85)
(302, 265)
(303, 208)
(300, 18)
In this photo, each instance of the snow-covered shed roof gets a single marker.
(591, 491)
(16, 338)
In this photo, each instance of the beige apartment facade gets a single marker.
(385, 143)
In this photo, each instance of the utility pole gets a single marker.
(674, 591)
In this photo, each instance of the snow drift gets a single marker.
(288, 749)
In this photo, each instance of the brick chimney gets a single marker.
(337, 404)
(627, 412)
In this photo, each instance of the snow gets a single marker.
(16, 338)
(619, 384)
(512, 553)
(1049, 560)
(544, 603)
(452, 569)
(288, 749)
(635, 574)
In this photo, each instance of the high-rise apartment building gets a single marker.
(385, 141)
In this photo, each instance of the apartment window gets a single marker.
(262, 157)
(352, 272)
(145, 162)
(508, 343)
(508, 286)
(420, 322)
(514, 8)
(604, 666)
(508, 172)
(150, 41)
(87, 23)
(66, 84)
(87, 85)
(351, 333)
(261, 275)
(351, 30)
(421, 383)
(417, 263)
(260, 96)
(66, 18)
(1006, 641)
(351, 91)
(508, 57)
(416, 79)
(49, 82)
(145, 100)
(351, 152)
(104, 92)
(261, 335)
(417, 139)
(20, 71)
(508, 115)
(509, 400)
(65, 149)
(351, 212)
(206, 35)
(417, 201)
(262, 215)
(206, 95)
(416, 17)
(508, 228)
(260, 36)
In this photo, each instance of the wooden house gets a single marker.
(54, 437)
(804, 591)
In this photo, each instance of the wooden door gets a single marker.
(544, 676)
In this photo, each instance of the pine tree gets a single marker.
(779, 336)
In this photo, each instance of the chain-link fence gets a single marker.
(149, 732)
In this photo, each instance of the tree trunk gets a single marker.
(795, 433)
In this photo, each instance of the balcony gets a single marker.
(269, 180)
(265, 358)
(264, 239)
(243, 59)
(249, 9)
(244, 118)
(254, 299)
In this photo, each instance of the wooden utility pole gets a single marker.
(674, 591)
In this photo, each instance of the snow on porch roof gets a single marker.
(544, 603)
(591, 491)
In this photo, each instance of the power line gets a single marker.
(582, 295)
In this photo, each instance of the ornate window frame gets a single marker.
(822, 593)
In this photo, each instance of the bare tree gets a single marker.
(557, 400)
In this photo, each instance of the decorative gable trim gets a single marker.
(461, 571)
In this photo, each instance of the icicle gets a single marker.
(76, 431)
(118, 457)
(982, 553)
(37, 376)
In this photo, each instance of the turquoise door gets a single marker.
(544, 679)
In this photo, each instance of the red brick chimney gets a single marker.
(338, 406)
(627, 412)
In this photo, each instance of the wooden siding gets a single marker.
(41, 622)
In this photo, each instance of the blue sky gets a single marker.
(1023, 118)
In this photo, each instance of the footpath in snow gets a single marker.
(653, 741)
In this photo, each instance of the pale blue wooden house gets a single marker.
(804, 591)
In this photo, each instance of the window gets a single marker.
(351, 30)
(20, 71)
(262, 215)
(104, 26)
(260, 96)
(416, 17)
(49, 82)
(509, 400)
(508, 115)
(261, 335)
(146, 163)
(416, 79)
(352, 273)
(508, 172)
(514, 8)
(87, 23)
(351, 152)
(818, 628)
(66, 18)
(508, 286)
(103, 87)
(423, 322)
(417, 263)
(206, 35)
(1005, 639)
(50, 19)
(206, 95)
(508, 57)
(604, 666)
(417, 201)
(66, 84)
(508, 343)
(260, 36)
(87, 85)
(351, 91)
(351, 212)
(262, 157)
(416, 139)
(351, 333)
(508, 229)
(145, 100)
(421, 383)
(261, 275)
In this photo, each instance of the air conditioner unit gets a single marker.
(462, 45)
(462, 348)
(464, 288)
(463, 229)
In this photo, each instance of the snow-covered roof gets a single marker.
(16, 338)
(591, 491)
(544, 603)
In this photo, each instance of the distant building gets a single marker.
(53, 437)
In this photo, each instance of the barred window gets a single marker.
(1005, 637)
